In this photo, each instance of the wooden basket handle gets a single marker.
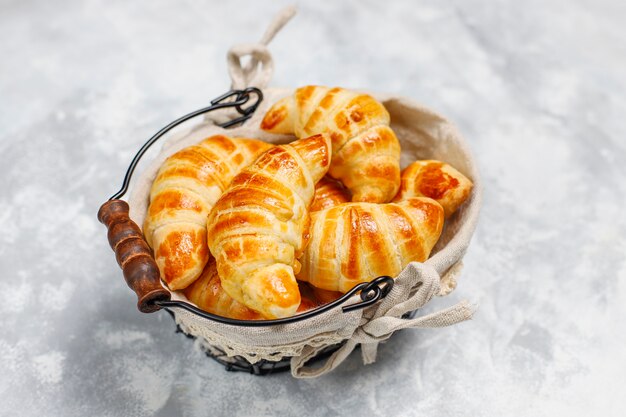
(133, 255)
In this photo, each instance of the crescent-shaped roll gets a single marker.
(329, 193)
(259, 226)
(436, 180)
(308, 299)
(366, 152)
(186, 187)
(207, 293)
(357, 242)
(325, 296)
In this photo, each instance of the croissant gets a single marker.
(329, 193)
(308, 297)
(366, 152)
(184, 191)
(357, 242)
(207, 293)
(436, 180)
(258, 227)
(325, 296)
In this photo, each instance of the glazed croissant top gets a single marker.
(366, 152)
(357, 242)
(186, 187)
(436, 180)
(258, 227)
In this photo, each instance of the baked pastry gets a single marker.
(184, 191)
(207, 293)
(259, 226)
(357, 242)
(308, 299)
(436, 180)
(325, 296)
(366, 152)
(329, 193)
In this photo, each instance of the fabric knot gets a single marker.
(406, 295)
(257, 72)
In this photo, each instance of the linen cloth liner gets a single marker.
(423, 134)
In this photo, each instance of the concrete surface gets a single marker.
(538, 89)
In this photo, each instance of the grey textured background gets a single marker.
(538, 89)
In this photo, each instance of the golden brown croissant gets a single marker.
(436, 180)
(184, 191)
(325, 296)
(307, 294)
(329, 193)
(357, 242)
(207, 293)
(366, 152)
(257, 228)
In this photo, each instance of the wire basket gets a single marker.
(267, 346)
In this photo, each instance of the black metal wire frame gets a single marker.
(241, 98)
(371, 292)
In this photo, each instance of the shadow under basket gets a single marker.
(325, 336)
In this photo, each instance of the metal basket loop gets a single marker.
(241, 98)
